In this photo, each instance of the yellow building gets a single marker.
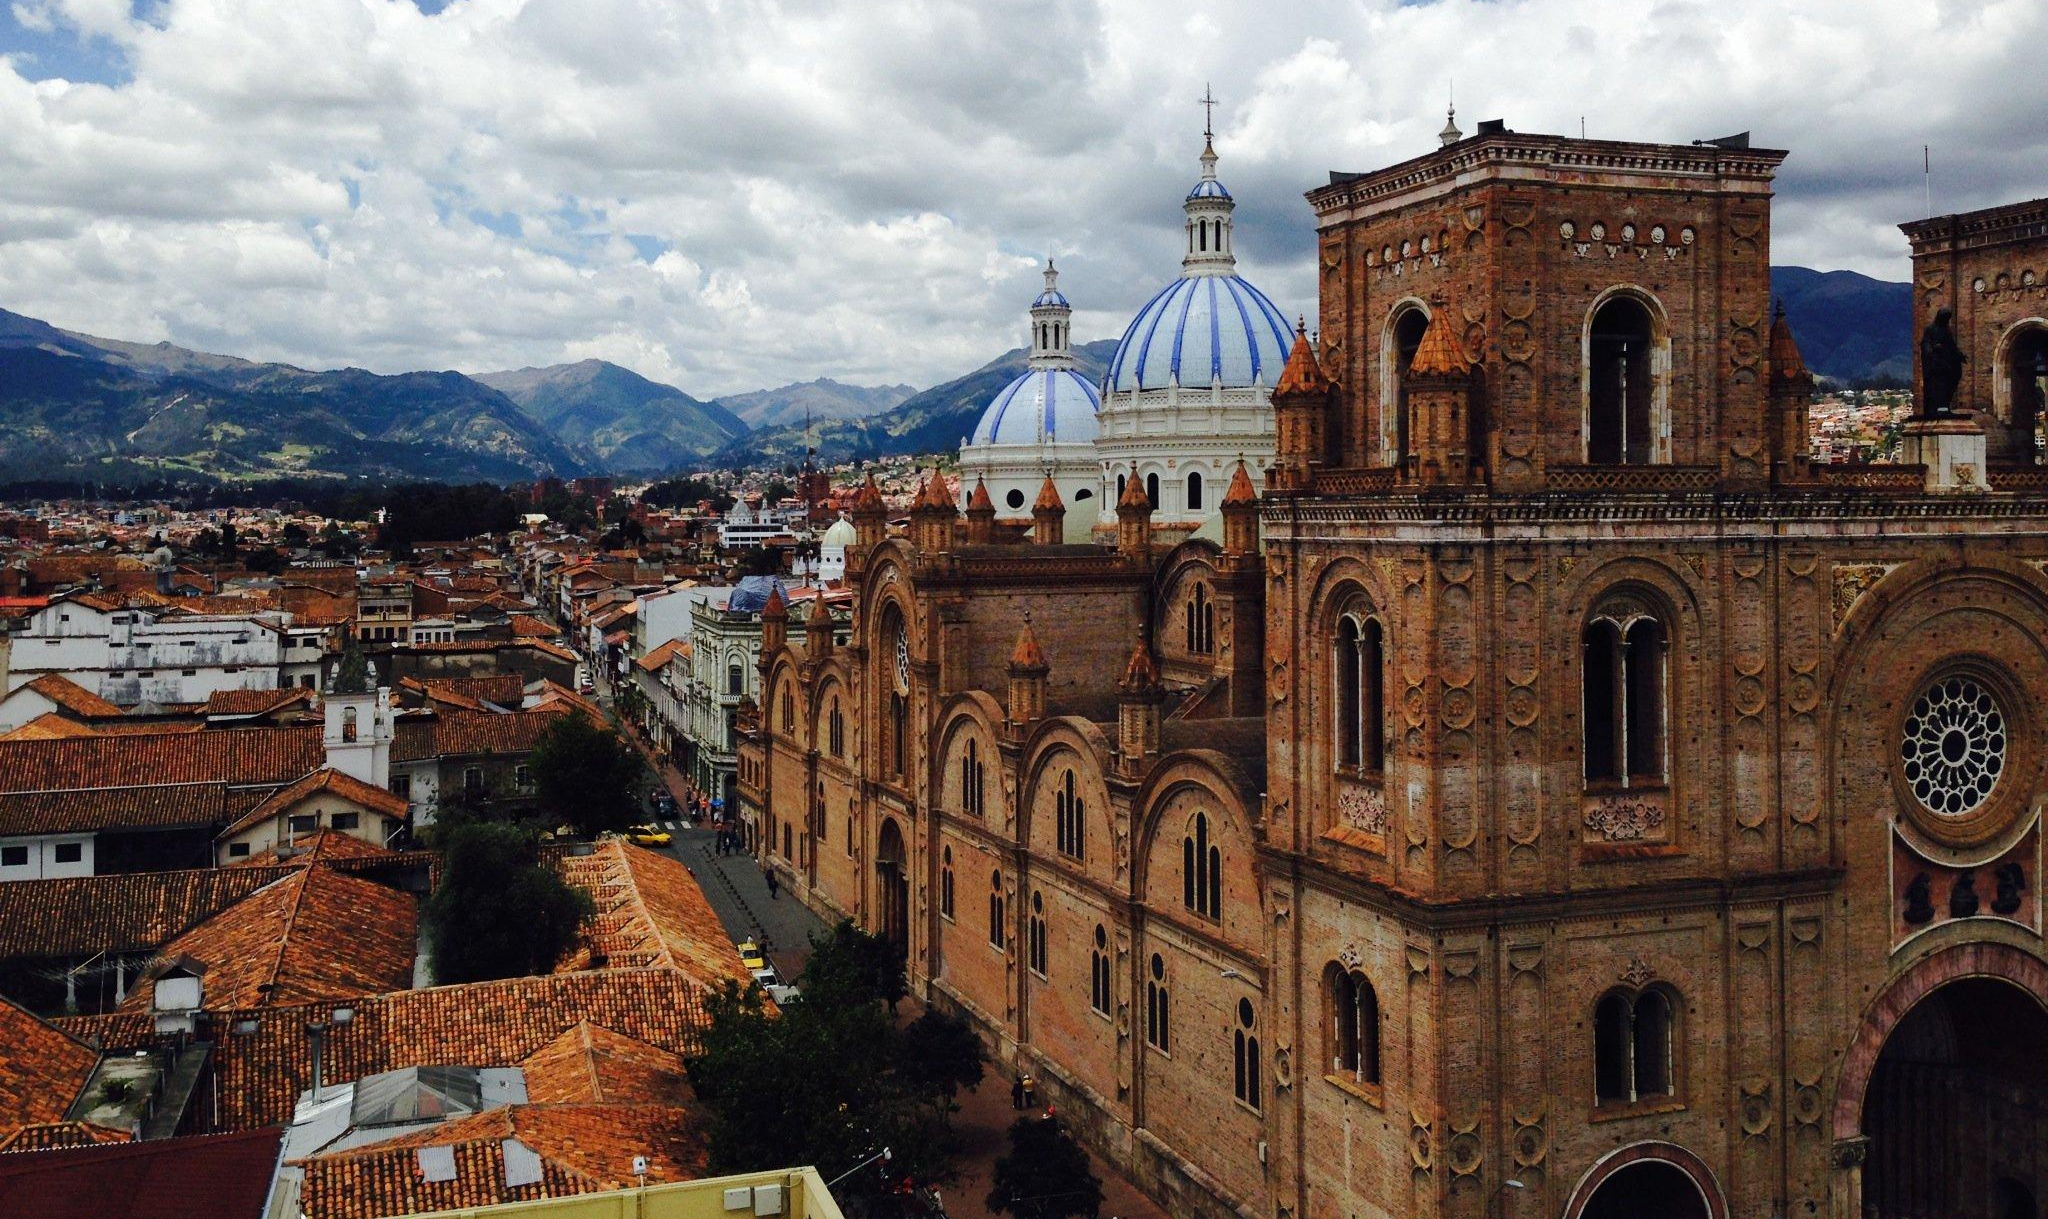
(796, 1193)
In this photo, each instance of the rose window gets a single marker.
(1953, 747)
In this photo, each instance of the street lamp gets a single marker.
(1502, 1188)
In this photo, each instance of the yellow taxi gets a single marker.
(648, 836)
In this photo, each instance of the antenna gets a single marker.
(1927, 177)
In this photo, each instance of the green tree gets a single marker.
(499, 912)
(849, 965)
(586, 775)
(1045, 1175)
(941, 1055)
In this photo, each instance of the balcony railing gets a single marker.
(1631, 478)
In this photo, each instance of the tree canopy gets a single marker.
(831, 1081)
(499, 912)
(1045, 1175)
(586, 775)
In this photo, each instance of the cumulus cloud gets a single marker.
(725, 194)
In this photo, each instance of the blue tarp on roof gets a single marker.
(751, 593)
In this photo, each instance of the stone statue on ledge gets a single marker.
(1941, 367)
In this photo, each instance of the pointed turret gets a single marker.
(1301, 415)
(774, 624)
(933, 515)
(1791, 399)
(1138, 698)
(1027, 671)
(1048, 515)
(818, 631)
(981, 515)
(1240, 514)
(1134, 521)
(1439, 385)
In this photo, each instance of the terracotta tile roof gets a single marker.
(326, 779)
(204, 1177)
(254, 702)
(315, 935)
(582, 1149)
(44, 1135)
(1440, 354)
(1048, 497)
(49, 726)
(73, 697)
(650, 911)
(1241, 490)
(979, 501)
(653, 661)
(42, 1070)
(1303, 374)
(158, 806)
(260, 1072)
(465, 733)
(131, 912)
(526, 626)
(1027, 654)
(236, 755)
(503, 689)
(591, 1063)
(325, 846)
(146, 727)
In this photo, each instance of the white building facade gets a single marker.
(129, 655)
(1041, 425)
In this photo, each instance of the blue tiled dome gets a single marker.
(1044, 404)
(1054, 297)
(1208, 188)
(1199, 329)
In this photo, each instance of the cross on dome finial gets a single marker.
(1208, 104)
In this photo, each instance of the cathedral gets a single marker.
(1548, 792)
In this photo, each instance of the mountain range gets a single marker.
(72, 404)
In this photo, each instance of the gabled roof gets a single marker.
(73, 697)
(363, 795)
(255, 702)
(591, 1063)
(654, 660)
(650, 911)
(157, 806)
(130, 912)
(235, 755)
(465, 733)
(325, 846)
(49, 726)
(42, 1069)
(314, 935)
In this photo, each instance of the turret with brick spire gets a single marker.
(1134, 521)
(1301, 416)
(1791, 398)
(933, 516)
(774, 625)
(870, 516)
(981, 516)
(1048, 516)
(818, 631)
(1439, 384)
(1027, 678)
(1138, 698)
(1240, 514)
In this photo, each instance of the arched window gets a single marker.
(971, 773)
(995, 908)
(946, 882)
(1360, 705)
(1098, 973)
(1244, 1055)
(899, 735)
(348, 725)
(835, 729)
(1194, 491)
(1620, 384)
(1201, 870)
(2027, 389)
(1201, 621)
(735, 679)
(1354, 1022)
(1403, 341)
(1034, 944)
(1625, 697)
(1120, 479)
(1067, 814)
(788, 711)
(1152, 492)
(1158, 1029)
(850, 832)
(1633, 1046)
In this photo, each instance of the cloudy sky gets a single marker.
(727, 194)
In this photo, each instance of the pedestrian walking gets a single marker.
(1017, 1093)
(774, 886)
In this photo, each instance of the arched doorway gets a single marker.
(2022, 392)
(1957, 1107)
(1647, 1181)
(892, 887)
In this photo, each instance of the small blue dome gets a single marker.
(1042, 405)
(1208, 188)
(1051, 298)
(1199, 329)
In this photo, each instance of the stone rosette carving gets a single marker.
(1530, 1142)
(1625, 817)
(1851, 581)
(1362, 808)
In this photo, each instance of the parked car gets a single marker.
(648, 836)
